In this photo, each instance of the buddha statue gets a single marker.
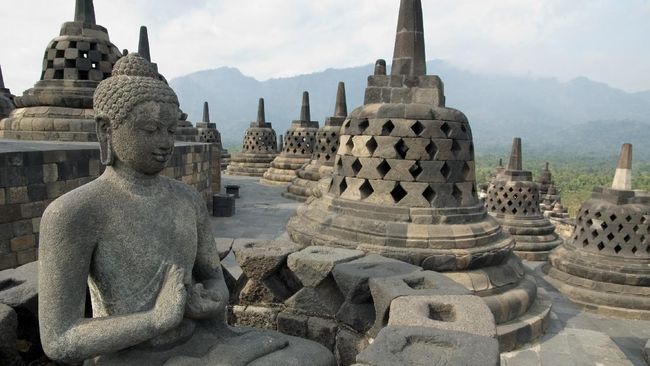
(142, 244)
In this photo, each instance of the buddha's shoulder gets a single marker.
(182, 190)
(80, 202)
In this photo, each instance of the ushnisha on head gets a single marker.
(136, 114)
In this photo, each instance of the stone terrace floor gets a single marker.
(575, 336)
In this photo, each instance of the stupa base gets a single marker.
(50, 124)
(283, 170)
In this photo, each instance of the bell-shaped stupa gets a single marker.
(605, 266)
(298, 147)
(60, 105)
(513, 199)
(322, 160)
(6, 99)
(259, 148)
(404, 187)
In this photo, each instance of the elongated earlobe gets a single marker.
(104, 138)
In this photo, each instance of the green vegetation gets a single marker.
(575, 176)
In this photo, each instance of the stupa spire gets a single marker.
(2, 81)
(623, 177)
(84, 12)
(206, 112)
(409, 55)
(341, 109)
(380, 67)
(515, 155)
(261, 114)
(305, 111)
(143, 44)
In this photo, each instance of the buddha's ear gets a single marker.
(104, 137)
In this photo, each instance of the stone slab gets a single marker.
(313, 264)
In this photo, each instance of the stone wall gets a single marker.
(33, 174)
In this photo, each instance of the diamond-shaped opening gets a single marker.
(349, 144)
(401, 148)
(455, 147)
(514, 210)
(628, 218)
(612, 217)
(346, 124)
(363, 125)
(604, 225)
(445, 129)
(445, 171)
(417, 128)
(356, 166)
(636, 228)
(371, 145)
(627, 238)
(647, 249)
(429, 194)
(594, 234)
(584, 242)
(525, 211)
(457, 193)
(343, 186)
(617, 248)
(620, 227)
(610, 236)
(634, 250)
(600, 246)
(509, 203)
(503, 210)
(431, 149)
(589, 222)
(387, 128)
(598, 215)
(383, 168)
(398, 193)
(466, 171)
(643, 220)
(339, 162)
(366, 190)
(415, 170)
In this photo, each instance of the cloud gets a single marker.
(600, 39)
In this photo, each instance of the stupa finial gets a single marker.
(623, 177)
(206, 112)
(143, 44)
(2, 81)
(380, 67)
(305, 111)
(515, 155)
(84, 12)
(261, 114)
(341, 109)
(409, 55)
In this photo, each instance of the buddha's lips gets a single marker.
(161, 157)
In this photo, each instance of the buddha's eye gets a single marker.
(149, 128)
(172, 130)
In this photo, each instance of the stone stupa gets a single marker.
(322, 160)
(298, 145)
(513, 199)
(259, 148)
(404, 187)
(605, 266)
(208, 133)
(6, 99)
(59, 106)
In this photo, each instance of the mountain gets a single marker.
(578, 116)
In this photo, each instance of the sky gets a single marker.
(604, 40)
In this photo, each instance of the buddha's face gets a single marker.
(145, 141)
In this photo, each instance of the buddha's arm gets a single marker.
(65, 255)
(207, 271)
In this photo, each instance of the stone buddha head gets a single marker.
(136, 115)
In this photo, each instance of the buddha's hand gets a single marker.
(170, 304)
(205, 304)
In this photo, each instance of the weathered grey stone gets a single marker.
(19, 287)
(224, 246)
(358, 316)
(292, 324)
(397, 346)
(323, 300)
(322, 331)
(385, 290)
(153, 285)
(352, 277)
(348, 345)
(463, 313)
(260, 259)
(8, 338)
(646, 352)
(313, 264)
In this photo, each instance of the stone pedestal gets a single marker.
(298, 145)
(259, 148)
(60, 105)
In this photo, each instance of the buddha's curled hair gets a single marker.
(133, 81)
